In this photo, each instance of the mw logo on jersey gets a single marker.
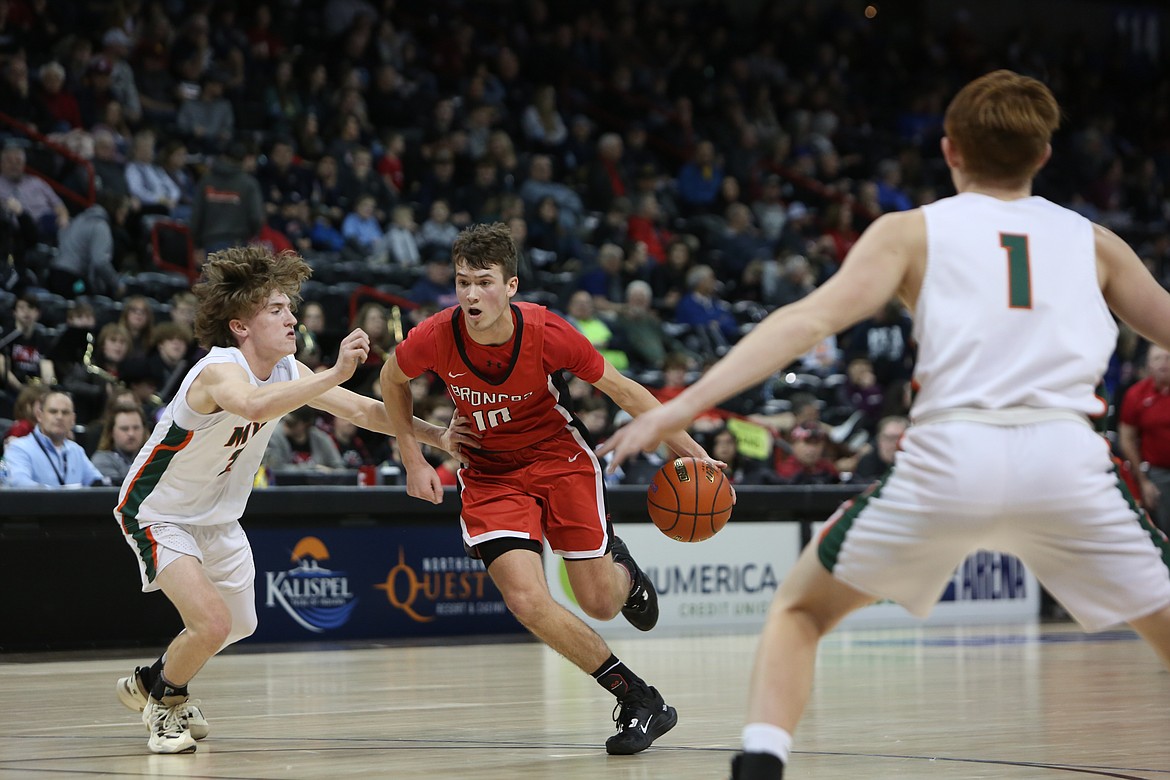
(241, 433)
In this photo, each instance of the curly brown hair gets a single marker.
(482, 246)
(236, 282)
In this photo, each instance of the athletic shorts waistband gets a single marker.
(1009, 417)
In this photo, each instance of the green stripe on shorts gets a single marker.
(829, 546)
(1144, 518)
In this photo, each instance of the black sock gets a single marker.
(152, 672)
(617, 679)
(162, 688)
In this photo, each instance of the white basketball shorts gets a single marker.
(1046, 492)
(223, 550)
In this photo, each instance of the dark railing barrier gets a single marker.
(73, 583)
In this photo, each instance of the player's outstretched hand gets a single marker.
(642, 434)
(351, 354)
(423, 482)
(459, 434)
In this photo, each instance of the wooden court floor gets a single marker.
(1040, 701)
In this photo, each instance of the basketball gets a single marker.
(689, 500)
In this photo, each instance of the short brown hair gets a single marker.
(482, 246)
(236, 282)
(1001, 123)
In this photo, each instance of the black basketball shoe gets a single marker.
(641, 607)
(756, 766)
(641, 717)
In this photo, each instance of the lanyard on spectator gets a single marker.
(64, 459)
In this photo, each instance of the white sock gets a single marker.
(766, 738)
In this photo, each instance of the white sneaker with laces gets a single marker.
(134, 696)
(167, 725)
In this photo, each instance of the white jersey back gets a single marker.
(198, 469)
(1011, 312)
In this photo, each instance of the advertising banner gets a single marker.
(988, 587)
(724, 583)
(367, 583)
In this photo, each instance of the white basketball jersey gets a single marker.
(198, 469)
(1011, 312)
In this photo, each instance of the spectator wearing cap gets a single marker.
(47, 457)
(294, 221)
(35, 197)
(59, 106)
(95, 91)
(228, 209)
(806, 464)
(116, 46)
(798, 232)
(208, 122)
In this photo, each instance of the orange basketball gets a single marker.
(689, 500)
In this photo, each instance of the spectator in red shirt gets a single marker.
(806, 464)
(646, 226)
(58, 103)
(1144, 434)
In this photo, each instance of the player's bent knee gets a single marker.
(242, 606)
(240, 629)
(213, 630)
(529, 606)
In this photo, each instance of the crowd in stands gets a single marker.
(670, 173)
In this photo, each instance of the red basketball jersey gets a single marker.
(509, 391)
